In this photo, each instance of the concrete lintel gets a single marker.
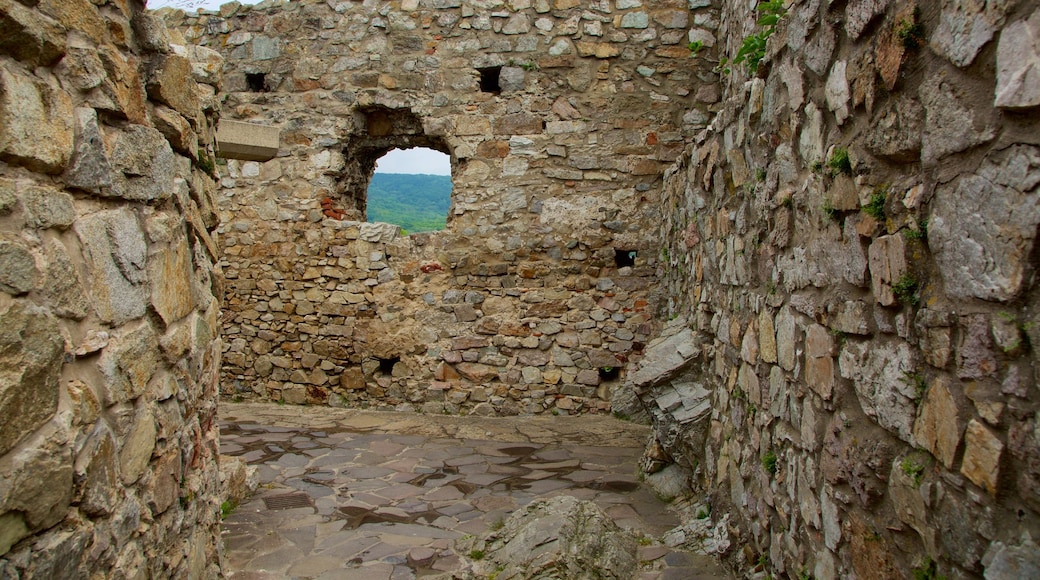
(247, 141)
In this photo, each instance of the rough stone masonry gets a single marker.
(816, 278)
(559, 118)
(831, 311)
(109, 297)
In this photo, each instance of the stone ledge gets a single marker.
(247, 141)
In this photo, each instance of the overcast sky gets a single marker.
(424, 161)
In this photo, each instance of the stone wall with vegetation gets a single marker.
(560, 118)
(851, 260)
(109, 325)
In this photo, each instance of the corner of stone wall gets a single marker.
(853, 248)
(109, 341)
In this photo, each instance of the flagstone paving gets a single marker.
(375, 495)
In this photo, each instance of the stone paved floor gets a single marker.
(351, 494)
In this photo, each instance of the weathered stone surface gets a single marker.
(31, 351)
(837, 92)
(1018, 65)
(79, 15)
(879, 373)
(207, 65)
(97, 465)
(61, 287)
(896, 132)
(17, 266)
(982, 456)
(137, 448)
(12, 529)
(143, 164)
(35, 121)
(859, 13)
(37, 480)
(46, 207)
(127, 364)
(940, 423)
(173, 298)
(908, 498)
(786, 338)
(165, 484)
(170, 82)
(664, 358)
(116, 259)
(950, 125)
(887, 267)
(177, 131)
(561, 537)
(89, 168)
(1007, 562)
(983, 226)
(965, 27)
(819, 360)
(29, 36)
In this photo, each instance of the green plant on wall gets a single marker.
(905, 290)
(839, 162)
(753, 48)
(875, 207)
(769, 462)
(910, 31)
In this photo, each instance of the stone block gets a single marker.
(983, 226)
(79, 15)
(177, 131)
(965, 27)
(164, 487)
(17, 266)
(143, 165)
(61, 289)
(170, 82)
(983, 450)
(37, 480)
(89, 169)
(940, 423)
(879, 373)
(31, 352)
(1018, 65)
(116, 263)
(136, 450)
(665, 357)
(247, 141)
(819, 360)
(887, 259)
(787, 338)
(950, 124)
(128, 363)
(171, 268)
(35, 121)
(29, 36)
(97, 466)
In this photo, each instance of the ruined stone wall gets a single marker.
(521, 305)
(109, 349)
(852, 370)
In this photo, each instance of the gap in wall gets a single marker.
(411, 188)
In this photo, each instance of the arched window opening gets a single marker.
(378, 131)
(411, 188)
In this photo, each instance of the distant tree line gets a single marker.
(417, 203)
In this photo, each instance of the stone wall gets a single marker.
(540, 290)
(109, 348)
(851, 373)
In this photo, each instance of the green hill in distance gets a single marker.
(417, 203)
